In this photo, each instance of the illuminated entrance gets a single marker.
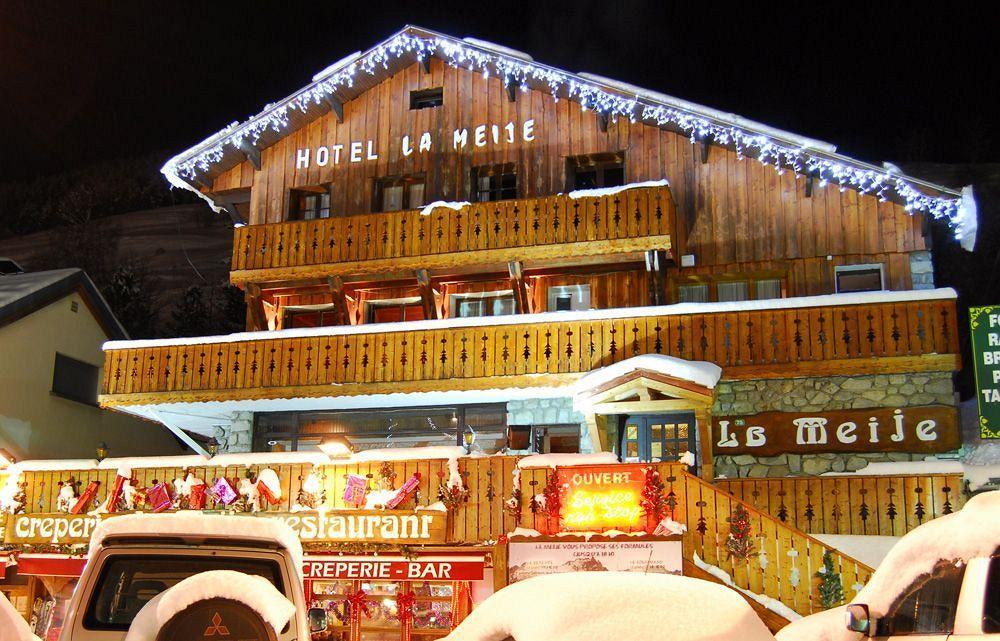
(656, 437)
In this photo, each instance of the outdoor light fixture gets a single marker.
(336, 447)
(212, 446)
(102, 451)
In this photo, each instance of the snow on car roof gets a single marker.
(631, 607)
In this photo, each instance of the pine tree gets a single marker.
(191, 316)
(831, 592)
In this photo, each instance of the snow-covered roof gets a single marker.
(624, 606)
(254, 591)
(698, 372)
(354, 74)
(798, 302)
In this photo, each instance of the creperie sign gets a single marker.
(602, 497)
(392, 569)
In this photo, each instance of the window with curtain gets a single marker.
(494, 182)
(693, 293)
(485, 304)
(309, 204)
(729, 291)
(767, 288)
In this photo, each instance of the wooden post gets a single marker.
(336, 287)
(703, 418)
(256, 319)
(657, 283)
(521, 301)
(426, 294)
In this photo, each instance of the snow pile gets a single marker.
(524, 531)
(567, 460)
(270, 479)
(611, 191)
(700, 372)
(687, 458)
(254, 591)
(630, 607)
(436, 506)
(869, 549)
(197, 524)
(457, 206)
(13, 627)
(771, 604)
(376, 499)
(976, 473)
(967, 221)
(146, 462)
(830, 625)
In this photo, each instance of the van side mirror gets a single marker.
(317, 619)
(859, 619)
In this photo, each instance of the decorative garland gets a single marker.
(653, 501)
(641, 105)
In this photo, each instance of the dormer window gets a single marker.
(427, 98)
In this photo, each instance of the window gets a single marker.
(564, 298)
(657, 438)
(928, 606)
(595, 170)
(695, 293)
(859, 278)
(431, 605)
(310, 316)
(735, 290)
(767, 288)
(991, 603)
(75, 380)
(485, 304)
(427, 98)
(309, 204)
(494, 182)
(394, 310)
(399, 192)
(128, 582)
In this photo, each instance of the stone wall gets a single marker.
(237, 436)
(549, 411)
(921, 270)
(739, 398)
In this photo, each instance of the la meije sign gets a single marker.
(932, 428)
(312, 527)
(599, 498)
(985, 325)
(363, 150)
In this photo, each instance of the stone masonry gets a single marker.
(740, 398)
(237, 436)
(548, 411)
(921, 270)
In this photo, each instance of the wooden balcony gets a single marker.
(794, 337)
(536, 229)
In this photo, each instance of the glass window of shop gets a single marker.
(479, 427)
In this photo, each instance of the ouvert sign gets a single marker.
(332, 526)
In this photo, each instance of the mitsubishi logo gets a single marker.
(216, 627)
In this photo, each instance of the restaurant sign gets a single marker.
(602, 497)
(393, 569)
(332, 526)
(985, 331)
(931, 428)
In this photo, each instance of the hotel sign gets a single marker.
(932, 428)
(333, 526)
(984, 323)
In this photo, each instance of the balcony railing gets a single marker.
(790, 337)
(537, 228)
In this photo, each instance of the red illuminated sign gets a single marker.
(600, 498)
(393, 569)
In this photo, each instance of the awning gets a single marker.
(50, 565)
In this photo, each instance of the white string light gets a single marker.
(747, 144)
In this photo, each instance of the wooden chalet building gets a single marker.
(445, 243)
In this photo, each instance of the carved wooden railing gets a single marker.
(782, 566)
(824, 340)
(879, 505)
(634, 219)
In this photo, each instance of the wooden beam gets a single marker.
(336, 106)
(655, 267)
(639, 407)
(511, 92)
(426, 294)
(521, 302)
(251, 152)
(706, 146)
(425, 64)
(179, 433)
(602, 122)
(234, 214)
(204, 182)
(256, 319)
(809, 186)
(335, 284)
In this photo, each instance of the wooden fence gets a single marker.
(877, 505)
(745, 343)
(374, 242)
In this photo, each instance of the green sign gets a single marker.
(985, 323)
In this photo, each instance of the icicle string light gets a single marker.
(781, 155)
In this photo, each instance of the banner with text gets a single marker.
(985, 326)
(528, 559)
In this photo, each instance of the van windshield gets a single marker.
(128, 582)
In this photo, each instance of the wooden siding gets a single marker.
(494, 232)
(731, 210)
(836, 339)
(792, 556)
(877, 505)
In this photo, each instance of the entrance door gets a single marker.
(652, 438)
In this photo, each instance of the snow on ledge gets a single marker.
(456, 205)
(495, 48)
(771, 604)
(54, 465)
(146, 462)
(611, 191)
(699, 372)
(254, 591)
(337, 66)
(567, 460)
(799, 302)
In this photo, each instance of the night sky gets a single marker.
(84, 82)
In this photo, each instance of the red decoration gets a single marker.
(224, 492)
(115, 495)
(553, 504)
(355, 490)
(358, 603)
(266, 494)
(404, 606)
(404, 492)
(653, 502)
(88, 495)
(196, 501)
(461, 602)
(158, 497)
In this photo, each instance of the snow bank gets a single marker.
(822, 626)
(699, 372)
(600, 192)
(630, 607)
(456, 205)
(770, 603)
(893, 468)
(255, 591)
(798, 302)
(13, 627)
(567, 460)
(190, 523)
